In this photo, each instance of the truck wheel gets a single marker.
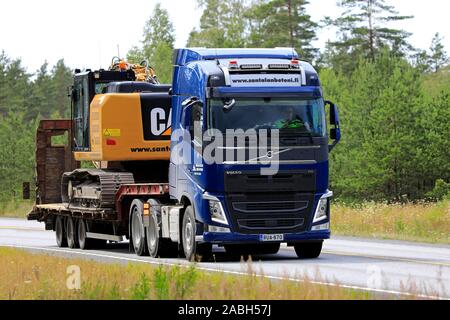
(71, 233)
(157, 246)
(84, 242)
(193, 250)
(60, 232)
(153, 238)
(137, 228)
(308, 250)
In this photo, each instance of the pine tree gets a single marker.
(363, 31)
(15, 85)
(222, 24)
(438, 56)
(16, 153)
(158, 29)
(436, 157)
(157, 44)
(41, 94)
(283, 23)
(421, 61)
(61, 80)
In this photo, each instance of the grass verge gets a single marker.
(16, 209)
(425, 222)
(35, 276)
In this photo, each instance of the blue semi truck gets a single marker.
(248, 168)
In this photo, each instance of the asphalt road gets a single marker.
(386, 267)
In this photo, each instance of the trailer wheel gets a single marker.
(60, 232)
(71, 232)
(84, 242)
(308, 250)
(137, 228)
(193, 250)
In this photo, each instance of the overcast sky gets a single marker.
(86, 32)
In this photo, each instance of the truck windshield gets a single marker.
(290, 115)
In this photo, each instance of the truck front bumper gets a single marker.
(235, 238)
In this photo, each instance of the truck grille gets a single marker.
(288, 212)
(270, 204)
(278, 206)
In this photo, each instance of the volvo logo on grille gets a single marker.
(234, 172)
(269, 154)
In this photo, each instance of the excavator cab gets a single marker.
(86, 85)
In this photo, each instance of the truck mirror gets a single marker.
(26, 190)
(335, 133)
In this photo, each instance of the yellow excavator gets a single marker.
(120, 121)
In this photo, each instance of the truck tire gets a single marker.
(157, 246)
(84, 242)
(193, 250)
(137, 228)
(308, 250)
(71, 233)
(60, 231)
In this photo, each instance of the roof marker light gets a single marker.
(295, 64)
(251, 66)
(233, 64)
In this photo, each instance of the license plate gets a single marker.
(271, 237)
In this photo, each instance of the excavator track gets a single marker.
(93, 188)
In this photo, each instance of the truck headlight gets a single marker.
(321, 209)
(216, 209)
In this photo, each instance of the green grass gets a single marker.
(37, 276)
(425, 222)
(16, 208)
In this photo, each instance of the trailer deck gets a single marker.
(41, 212)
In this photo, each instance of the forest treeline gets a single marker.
(394, 98)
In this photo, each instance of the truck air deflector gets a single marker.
(187, 55)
